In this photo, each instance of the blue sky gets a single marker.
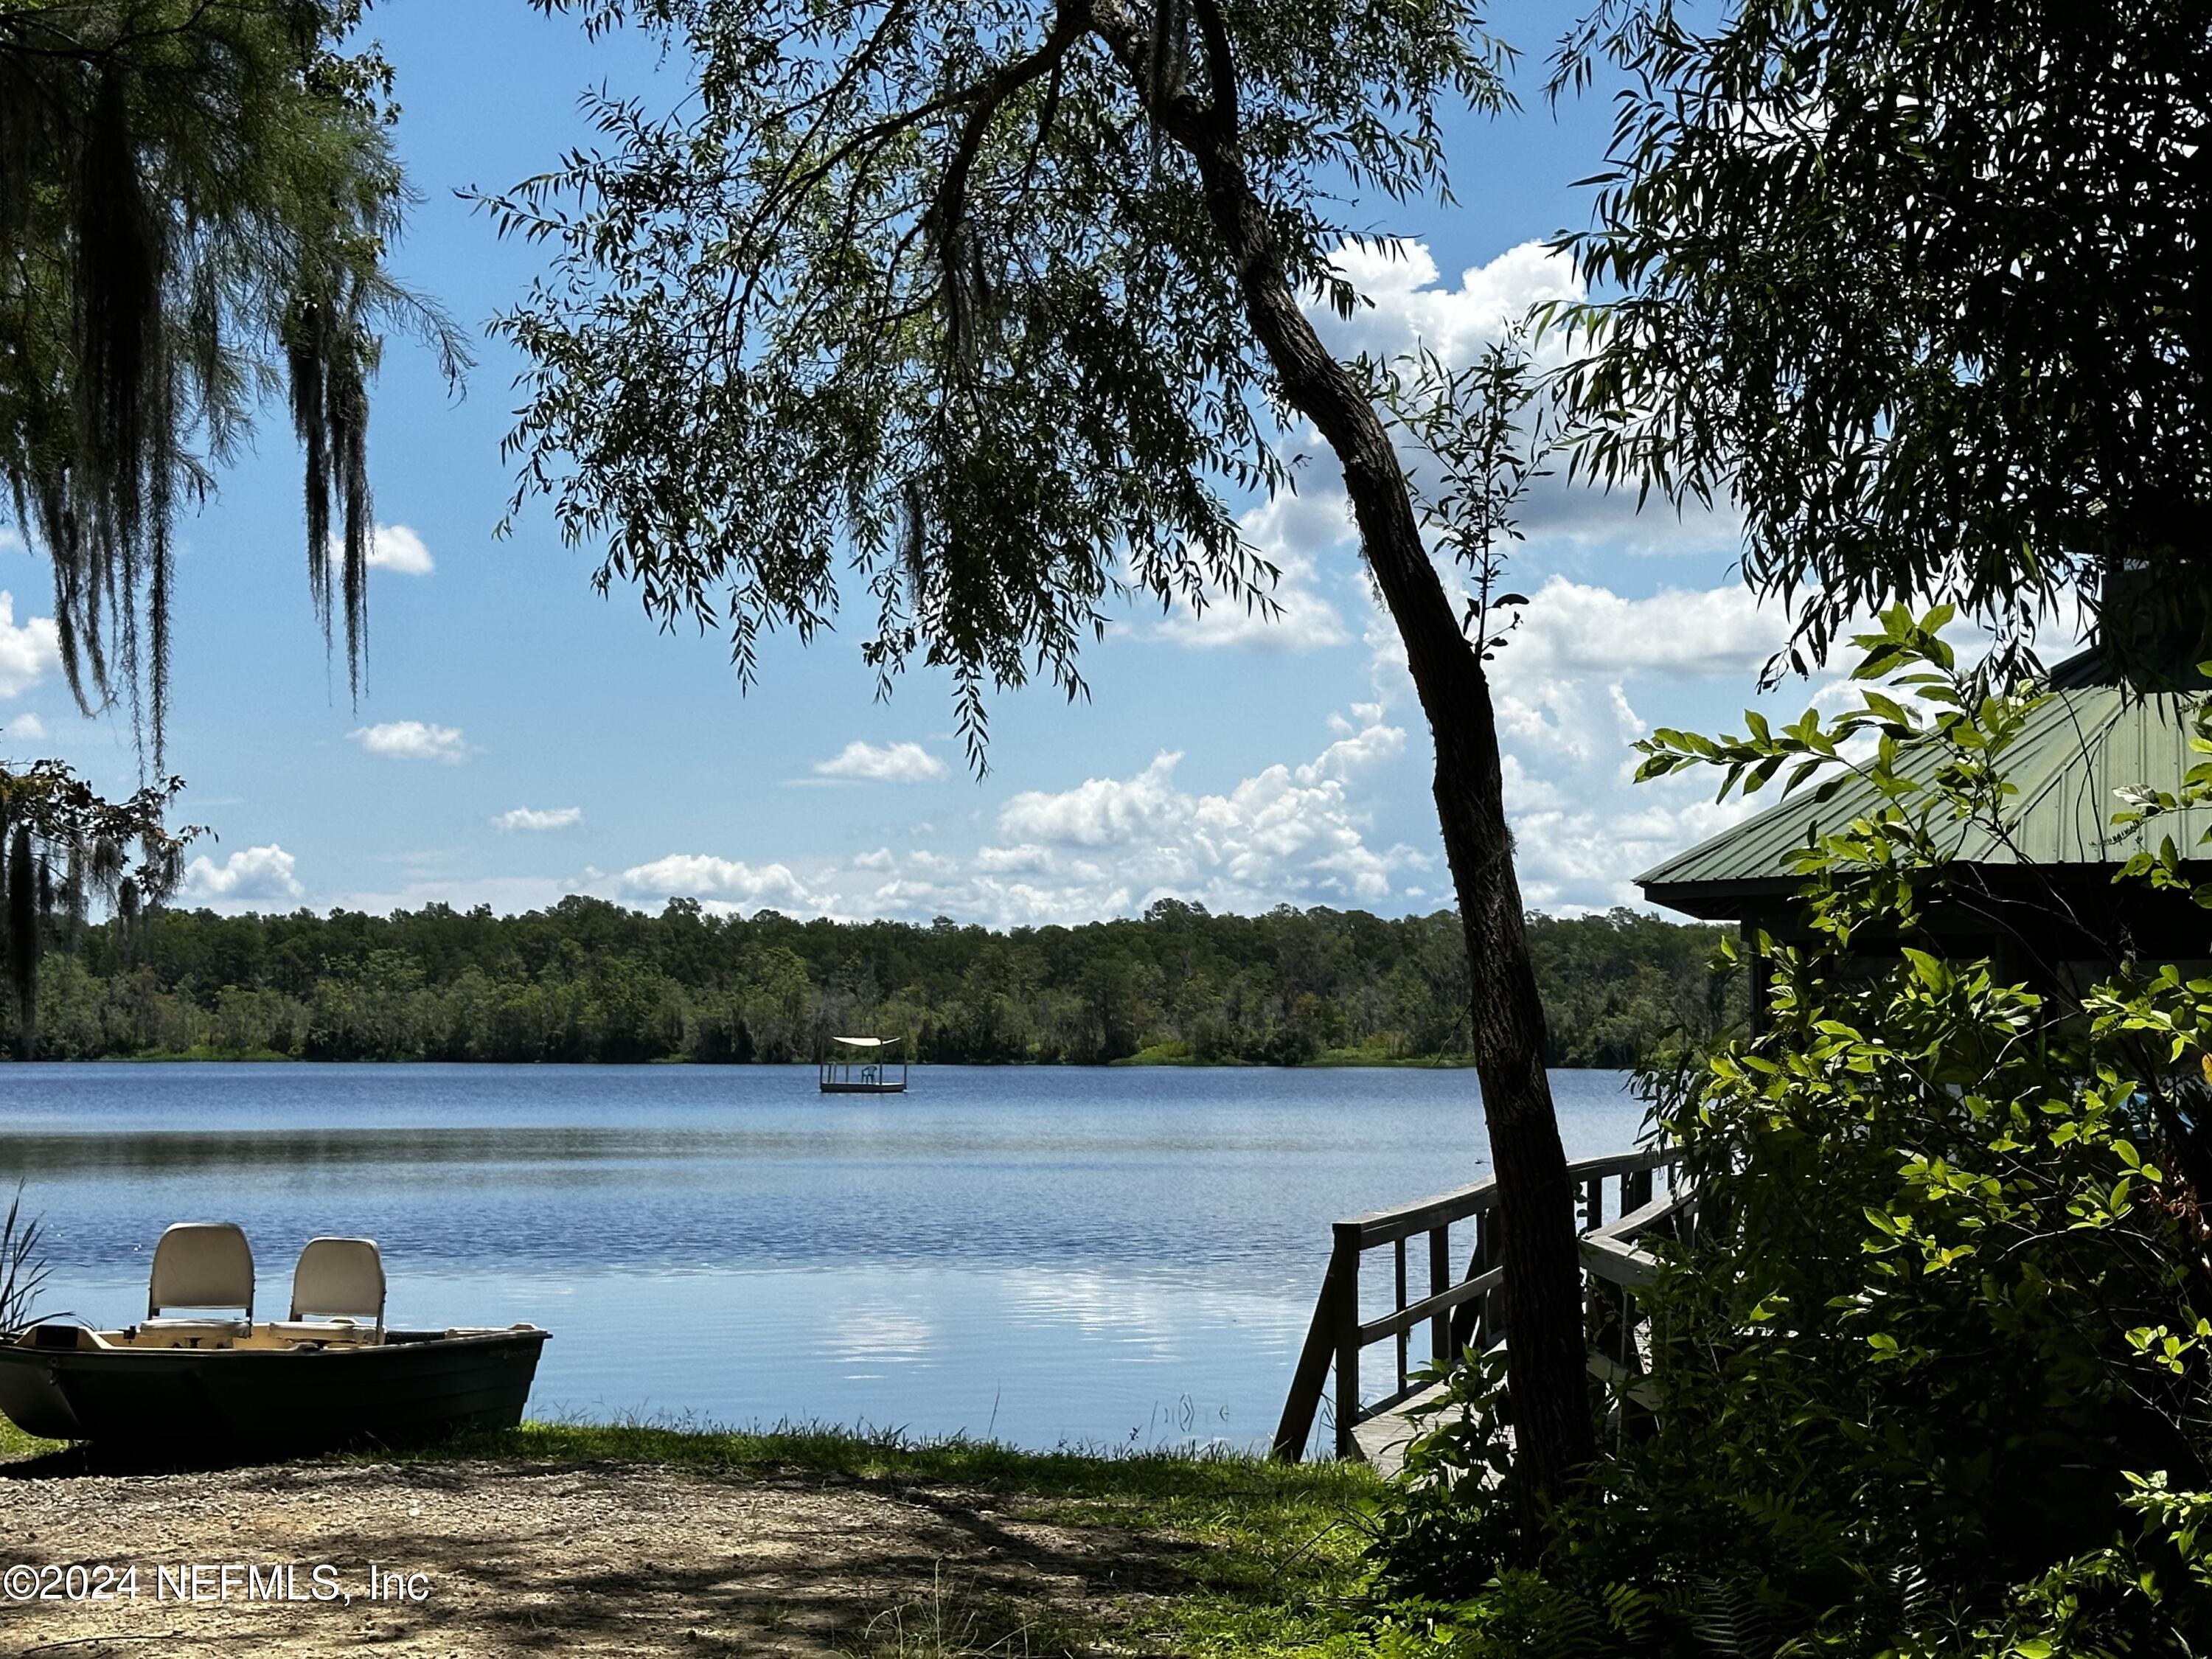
(520, 737)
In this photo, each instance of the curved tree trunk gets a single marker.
(1545, 1357)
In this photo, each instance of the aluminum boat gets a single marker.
(211, 1376)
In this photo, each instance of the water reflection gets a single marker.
(877, 1335)
(183, 1151)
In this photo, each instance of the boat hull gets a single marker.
(864, 1088)
(414, 1386)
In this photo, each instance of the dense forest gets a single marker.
(591, 981)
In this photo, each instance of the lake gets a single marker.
(1047, 1256)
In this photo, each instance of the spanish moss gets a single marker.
(195, 206)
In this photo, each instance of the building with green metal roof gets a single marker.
(2040, 894)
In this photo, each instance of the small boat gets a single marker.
(863, 1066)
(329, 1375)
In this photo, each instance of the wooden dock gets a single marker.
(1382, 1439)
(1463, 1310)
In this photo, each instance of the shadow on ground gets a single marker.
(585, 1557)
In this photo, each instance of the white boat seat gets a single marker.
(337, 1286)
(201, 1265)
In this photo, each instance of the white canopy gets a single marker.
(866, 1042)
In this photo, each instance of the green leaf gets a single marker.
(1930, 971)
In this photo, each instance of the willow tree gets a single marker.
(1924, 287)
(196, 202)
(987, 307)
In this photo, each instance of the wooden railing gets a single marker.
(1469, 1311)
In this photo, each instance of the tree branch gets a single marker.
(1220, 67)
(1070, 24)
(1044, 127)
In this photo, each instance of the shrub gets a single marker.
(1931, 1376)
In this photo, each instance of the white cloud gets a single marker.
(1559, 512)
(412, 741)
(1290, 531)
(1356, 749)
(1027, 858)
(28, 653)
(1526, 794)
(1099, 811)
(1105, 847)
(395, 548)
(1571, 627)
(257, 872)
(900, 762)
(27, 726)
(1586, 855)
(1558, 681)
(1407, 311)
(702, 875)
(1588, 672)
(1111, 844)
(536, 817)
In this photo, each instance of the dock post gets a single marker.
(1635, 1187)
(1440, 1325)
(1347, 1338)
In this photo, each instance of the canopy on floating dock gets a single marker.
(866, 1071)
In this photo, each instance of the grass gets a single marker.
(15, 1446)
(1264, 1554)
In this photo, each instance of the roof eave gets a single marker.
(1720, 900)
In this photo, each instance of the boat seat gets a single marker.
(203, 1265)
(338, 1289)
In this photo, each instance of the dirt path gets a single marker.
(599, 1558)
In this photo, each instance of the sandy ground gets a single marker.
(535, 1559)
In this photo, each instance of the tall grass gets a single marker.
(23, 1271)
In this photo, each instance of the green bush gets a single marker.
(1933, 1374)
(1452, 1516)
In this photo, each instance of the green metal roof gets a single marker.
(2080, 747)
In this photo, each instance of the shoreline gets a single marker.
(1326, 1062)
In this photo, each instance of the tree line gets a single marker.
(589, 980)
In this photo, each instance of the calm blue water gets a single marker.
(1043, 1255)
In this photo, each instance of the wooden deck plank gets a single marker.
(1383, 1440)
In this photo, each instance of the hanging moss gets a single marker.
(196, 203)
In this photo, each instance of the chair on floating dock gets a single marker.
(205, 1265)
(336, 1286)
